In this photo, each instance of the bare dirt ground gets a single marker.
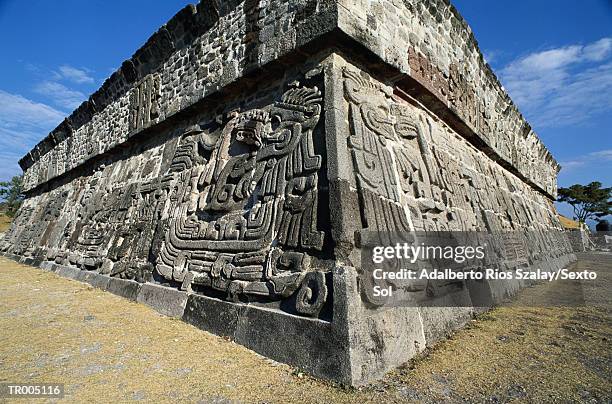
(104, 348)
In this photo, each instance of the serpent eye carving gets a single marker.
(252, 127)
(256, 216)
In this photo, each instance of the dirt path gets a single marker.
(105, 348)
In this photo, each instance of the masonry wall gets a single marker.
(579, 239)
(432, 43)
(198, 53)
(222, 219)
(230, 167)
(405, 171)
(212, 202)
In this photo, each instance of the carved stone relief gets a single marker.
(247, 205)
(144, 102)
(230, 207)
(415, 175)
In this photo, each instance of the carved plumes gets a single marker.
(302, 99)
(257, 207)
(406, 122)
(256, 115)
(300, 105)
(357, 88)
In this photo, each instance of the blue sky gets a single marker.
(553, 56)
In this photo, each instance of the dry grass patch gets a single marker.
(106, 348)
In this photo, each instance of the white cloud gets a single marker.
(597, 157)
(16, 110)
(603, 154)
(568, 165)
(64, 72)
(75, 75)
(598, 50)
(490, 55)
(23, 123)
(8, 165)
(60, 94)
(562, 86)
(58, 86)
(533, 64)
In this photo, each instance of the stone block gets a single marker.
(213, 315)
(70, 272)
(96, 280)
(165, 300)
(48, 265)
(124, 288)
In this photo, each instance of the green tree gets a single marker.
(12, 194)
(588, 201)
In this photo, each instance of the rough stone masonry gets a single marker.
(224, 173)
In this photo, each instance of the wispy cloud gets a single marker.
(490, 56)
(64, 87)
(597, 157)
(16, 110)
(61, 95)
(79, 76)
(562, 86)
(23, 123)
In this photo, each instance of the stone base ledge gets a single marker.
(310, 344)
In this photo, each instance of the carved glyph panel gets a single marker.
(225, 203)
(415, 175)
(246, 212)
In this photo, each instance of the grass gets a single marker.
(5, 222)
(55, 330)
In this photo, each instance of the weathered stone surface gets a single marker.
(228, 172)
(124, 288)
(96, 280)
(212, 315)
(170, 302)
(69, 272)
(432, 43)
